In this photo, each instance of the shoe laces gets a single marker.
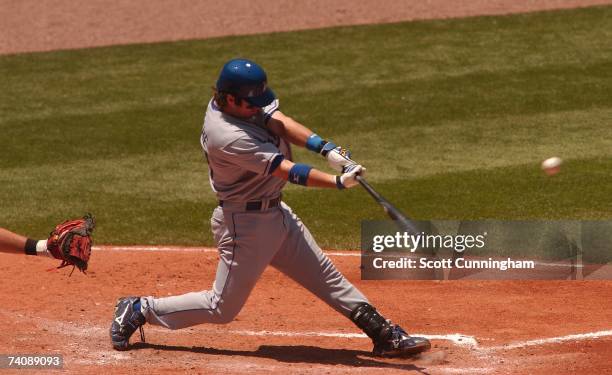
(397, 336)
(130, 325)
(142, 336)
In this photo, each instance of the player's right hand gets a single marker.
(350, 173)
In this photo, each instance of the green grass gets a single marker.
(451, 117)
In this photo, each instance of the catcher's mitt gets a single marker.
(71, 242)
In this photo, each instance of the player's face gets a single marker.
(244, 109)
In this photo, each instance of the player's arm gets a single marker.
(289, 129)
(69, 242)
(297, 134)
(303, 174)
(11, 242)
(14, 243)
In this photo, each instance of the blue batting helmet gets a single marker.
(246, 80)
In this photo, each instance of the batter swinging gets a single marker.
(246, 141)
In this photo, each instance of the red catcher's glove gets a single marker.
(71, 242)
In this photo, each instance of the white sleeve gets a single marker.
(269, 110)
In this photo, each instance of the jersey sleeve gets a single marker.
(248, 153)
(269, 110)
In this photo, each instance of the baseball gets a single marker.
(552, 166)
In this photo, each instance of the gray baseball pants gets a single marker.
(248, 241)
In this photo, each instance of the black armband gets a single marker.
(30, 247)
(339, 183)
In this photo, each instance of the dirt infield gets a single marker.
(35, 25)
(476, 327)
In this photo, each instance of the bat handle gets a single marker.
(362, 182)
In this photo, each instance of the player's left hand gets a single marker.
(71, 242)
(336, 156)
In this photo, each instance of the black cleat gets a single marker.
(400, 344)
(125, 322)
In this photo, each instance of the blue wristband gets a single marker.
(315, 143)
(298, 174)
(327, 147)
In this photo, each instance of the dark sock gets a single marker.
(137, 306)
(30, 246)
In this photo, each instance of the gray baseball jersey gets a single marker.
(241, 155)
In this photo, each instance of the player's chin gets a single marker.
(254, 111)
(248, 113)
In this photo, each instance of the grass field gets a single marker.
(451, 117)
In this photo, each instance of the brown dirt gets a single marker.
(44, 25)
(47, 312)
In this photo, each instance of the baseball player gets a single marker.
(246, 141)
(69, 242)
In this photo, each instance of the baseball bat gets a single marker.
(394, 213)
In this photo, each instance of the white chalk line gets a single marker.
(553, 340)
(456, 338)
(196, 249)
(201, 249)
(467, 370)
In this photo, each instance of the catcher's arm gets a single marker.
(11, 242)
(69, 242)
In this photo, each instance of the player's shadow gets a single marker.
(294, 354)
